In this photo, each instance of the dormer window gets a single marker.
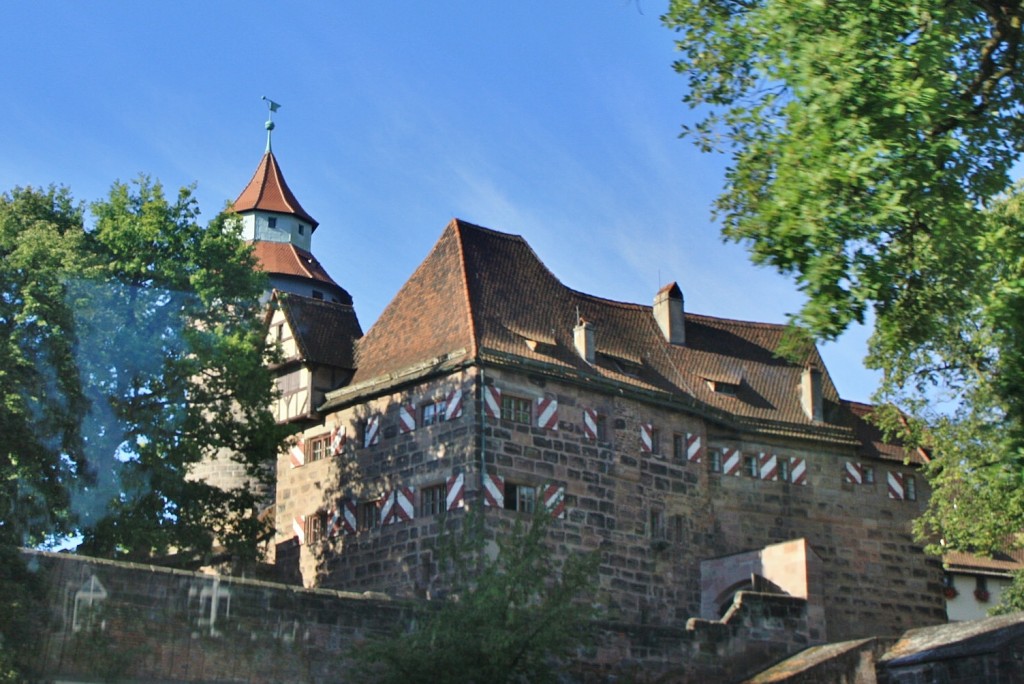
(272, 222)
(729, 389)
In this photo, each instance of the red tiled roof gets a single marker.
(1000, 561)
(872, 442)
(284, 258)
(267, 191)
(325, 332)
(488, 293)
(428, 317)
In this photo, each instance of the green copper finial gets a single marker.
(273, 107)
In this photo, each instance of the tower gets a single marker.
(281, 231)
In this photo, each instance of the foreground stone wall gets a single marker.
(128, 622)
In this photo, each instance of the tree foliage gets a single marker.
(506, 617)
(871, 149)
(132, 350)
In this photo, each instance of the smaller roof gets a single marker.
(873, 443)
(953, 641)
(1002, 562)
(267, 191)
(325, 332)
(284, 258)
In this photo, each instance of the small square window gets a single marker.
(302, 229)
(368, 515)
(869, 475)
(715, 460)
(516, 409)
(432, 500)
(520, 497)
(784, 469)
(317, 294)
(315, 525)
(433, 412)
(655, 441)
(272, 222)
(750, 466)
(319, 447)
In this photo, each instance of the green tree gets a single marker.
(42, 403)
(134, 349)
(871, 149)
(507, 617)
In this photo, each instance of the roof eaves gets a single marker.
(372, 387)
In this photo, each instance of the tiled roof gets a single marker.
(873, 444)
(267, 191)
(284, 258)
(488, 293)
(429, 316)
(1000, 561)
(325, 332)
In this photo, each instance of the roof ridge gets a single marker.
(457, 226)
(737, 321)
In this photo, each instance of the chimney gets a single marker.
(583, 336)
(668, 312)
(810, 394)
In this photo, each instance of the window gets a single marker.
(869, 475)
(315, 525)
(715, 460)
(368, 515)
(290, 383)
(302, 229)
(910, 487)
(272, 222)
(784, 469)
(678, 448)
(656, 524)
(516, 409)
(433, 412)
(750, 466)
(655, 441)
(730, 389)
(520, 497)
(279, 332)
(319, 447)
(602, 428)
(432, 500)
(317, 294)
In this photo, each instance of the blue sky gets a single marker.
(555, 120)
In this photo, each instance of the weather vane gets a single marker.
(273, 107)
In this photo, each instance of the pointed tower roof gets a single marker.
(267, 191)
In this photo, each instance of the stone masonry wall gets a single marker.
(111, 621)
(653, 515)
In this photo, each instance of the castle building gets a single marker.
(682, 447)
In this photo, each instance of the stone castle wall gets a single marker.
(111, 621)
(652, 516)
